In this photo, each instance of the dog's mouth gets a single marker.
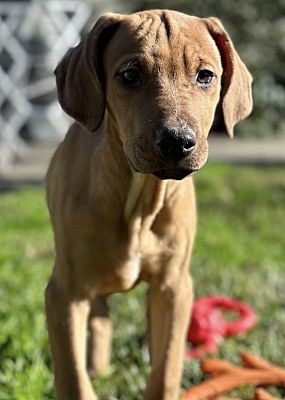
(176, 173)
(173, 173)
(163, 172)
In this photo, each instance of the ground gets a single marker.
(239, 252)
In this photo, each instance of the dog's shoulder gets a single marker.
(69, 171)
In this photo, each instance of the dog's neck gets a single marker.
(138, 198)
(145, 199)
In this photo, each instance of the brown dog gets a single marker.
(143, 89)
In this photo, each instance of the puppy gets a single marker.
(143, 90)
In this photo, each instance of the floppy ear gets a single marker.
(236, 82)
(80, 75)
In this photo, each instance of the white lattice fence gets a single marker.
(34, 36)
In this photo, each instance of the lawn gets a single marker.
(239, 251)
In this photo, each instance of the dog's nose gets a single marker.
(175, 143)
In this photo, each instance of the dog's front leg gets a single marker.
(99, 343)
(169, 312)
(67, 321)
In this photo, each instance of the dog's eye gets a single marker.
(205, 77)
(131, 77)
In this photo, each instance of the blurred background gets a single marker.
(240, 244)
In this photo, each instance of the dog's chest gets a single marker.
(125, 275)
(130, 272)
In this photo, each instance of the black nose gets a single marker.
(175, 143)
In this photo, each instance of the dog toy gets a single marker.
(208, 326)
(225, 376)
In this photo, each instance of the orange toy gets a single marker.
(226, 376)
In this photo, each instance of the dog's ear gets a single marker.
(236, 93)
(80, 75)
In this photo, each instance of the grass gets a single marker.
(239, 252)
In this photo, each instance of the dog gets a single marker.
(143, 90)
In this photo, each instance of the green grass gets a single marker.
(239, 252)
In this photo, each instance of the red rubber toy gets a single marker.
(208, 326)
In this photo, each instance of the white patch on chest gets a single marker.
(134, 267)
(130, 271)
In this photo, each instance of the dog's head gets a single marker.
(160, 75)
